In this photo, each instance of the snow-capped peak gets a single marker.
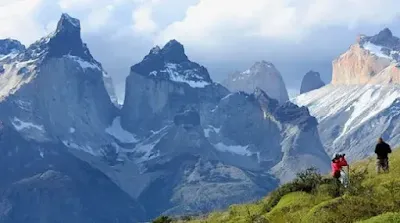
(383, 44)
(171, 63)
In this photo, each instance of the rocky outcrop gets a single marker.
(186, 129)
(311, 81)
(164, 83)
(263, 75)
(8, 46)
(55, 90)
(366, 59)
(42, 182)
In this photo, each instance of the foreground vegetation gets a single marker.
(310, 198)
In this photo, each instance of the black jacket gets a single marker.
(382, 150)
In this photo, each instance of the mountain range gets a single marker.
(179, 144)
(362, 101)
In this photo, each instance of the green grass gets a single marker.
(371, 198)
(389, 217)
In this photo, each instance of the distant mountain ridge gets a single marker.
(361, 102)
(263, 75)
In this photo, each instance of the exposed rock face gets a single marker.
(311, 81)
(57, 86)
(8, 46)
(261, 75)
(366, 59)
(362, 103)
(164, 83)
(42, 182)
(194, 131)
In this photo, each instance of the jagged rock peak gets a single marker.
(171, 63)
(155, 50)
(67, 39)
(311, 81)
(264, 64)
(8, 46)
(64, 41)
(172, 52)
(384, 38)
(261, 74)
(385, 33)
(68, 23)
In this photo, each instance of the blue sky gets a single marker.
(223, 35)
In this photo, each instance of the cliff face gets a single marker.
(357, 66)
(371, 60)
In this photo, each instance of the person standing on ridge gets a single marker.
(382, 149)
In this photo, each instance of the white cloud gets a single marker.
(18, 20)
(212, 22)
(143, 17)
(77, 4)
(98, 18)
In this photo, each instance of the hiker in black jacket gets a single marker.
(382, 149)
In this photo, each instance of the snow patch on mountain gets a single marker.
(119, 133)
(84, 148)
(84, 64)
(376, 50)
(363, 102)
(347, 112)
(188, 76)
(146, 151)
(236, 149)
(21, 125)
(210, 129)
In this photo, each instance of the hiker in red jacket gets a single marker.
(338, 162)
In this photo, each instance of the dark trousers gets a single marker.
(382, 164)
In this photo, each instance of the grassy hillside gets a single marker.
(312, 198)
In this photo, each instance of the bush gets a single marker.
(162, 219)
(306, 181)
(356, 187)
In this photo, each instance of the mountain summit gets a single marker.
(311, 81)
(171, 63)
(372, 59)
(261, 74)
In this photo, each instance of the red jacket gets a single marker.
(338, 164)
